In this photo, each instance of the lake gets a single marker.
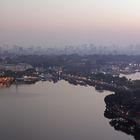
(60, 111)
(133, 76)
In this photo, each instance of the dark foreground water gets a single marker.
(47, 111)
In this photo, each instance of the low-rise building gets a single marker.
(15, 67)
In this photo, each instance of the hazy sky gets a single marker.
(69, 21)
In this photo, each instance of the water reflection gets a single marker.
(54, 111)
(120, 124)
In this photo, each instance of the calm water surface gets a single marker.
(134, 76)
(47, 111)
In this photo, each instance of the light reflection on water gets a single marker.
(47, 111)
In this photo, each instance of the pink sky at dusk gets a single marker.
(64, 21)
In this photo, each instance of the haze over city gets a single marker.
(69, 70)
(62, 22)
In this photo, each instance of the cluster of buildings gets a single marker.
(15, 67)
(117, 70)
(6, 81)
(81, 49)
